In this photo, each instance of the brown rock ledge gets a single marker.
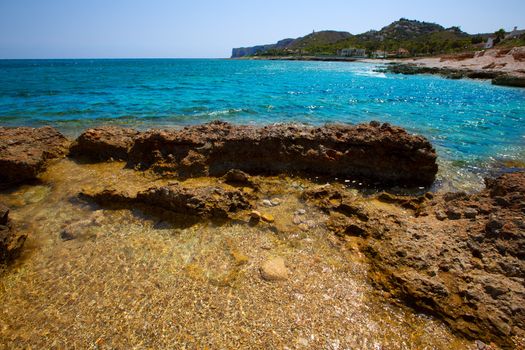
(24, 152)
(373, 152)
(206, 202)
(457, 256)
(104, 143)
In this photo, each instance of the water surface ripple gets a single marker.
(474, 125)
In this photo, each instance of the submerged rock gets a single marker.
(206, 202)
(210, 202)
(237, 176)
(24, 152)
(11, 241)
(104, 143)
(274, 269)
(378, 153)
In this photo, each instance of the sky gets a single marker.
(207, 28)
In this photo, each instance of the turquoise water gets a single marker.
(473, 124)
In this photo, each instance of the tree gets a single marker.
(500, 35)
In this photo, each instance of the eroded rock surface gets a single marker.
(11, 241)
(381, 153)
(104, 143)
(24, 152)
(209, 202)
(457, 256)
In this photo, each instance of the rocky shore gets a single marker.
(503, 67)
(378, 153)
(456, 256)
(24, 152)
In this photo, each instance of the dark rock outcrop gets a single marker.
(497, 77)
(466, 267)
(24, 152)
(510, 80)
(104, 143)
(11, 241)
(450, 73)
(377, 153)
(208, 202)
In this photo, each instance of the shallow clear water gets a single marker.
(473, 124)
(132, 281)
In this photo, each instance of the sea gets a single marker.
(476, 128)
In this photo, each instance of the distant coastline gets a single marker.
(504, 67)
(300, 58)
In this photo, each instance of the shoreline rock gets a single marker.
(207, 202)
(11, 241)
(510, 80)
(376, 152)
(24, 152)
(104, 143)
(496, 77)
(467, 268)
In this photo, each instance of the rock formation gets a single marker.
(376, 153)
(11, 241)
(24, 152)
(515, 79)
(457, 256)
(510, 80)
(104, 143)
(207, 202)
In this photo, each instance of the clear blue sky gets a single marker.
(206, 28)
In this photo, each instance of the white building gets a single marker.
(515, 33)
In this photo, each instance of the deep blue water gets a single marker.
(472, 123)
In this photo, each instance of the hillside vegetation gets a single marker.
(403, 37)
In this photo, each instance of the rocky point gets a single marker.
(24, 152)
(455, 255)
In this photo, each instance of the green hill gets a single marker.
(327, 37)
(408, 36)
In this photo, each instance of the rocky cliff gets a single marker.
(250, 51)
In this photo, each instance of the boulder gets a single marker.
(235, 176)
(104, 143)
(25, 152)
(377, 152)
(274, 269)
